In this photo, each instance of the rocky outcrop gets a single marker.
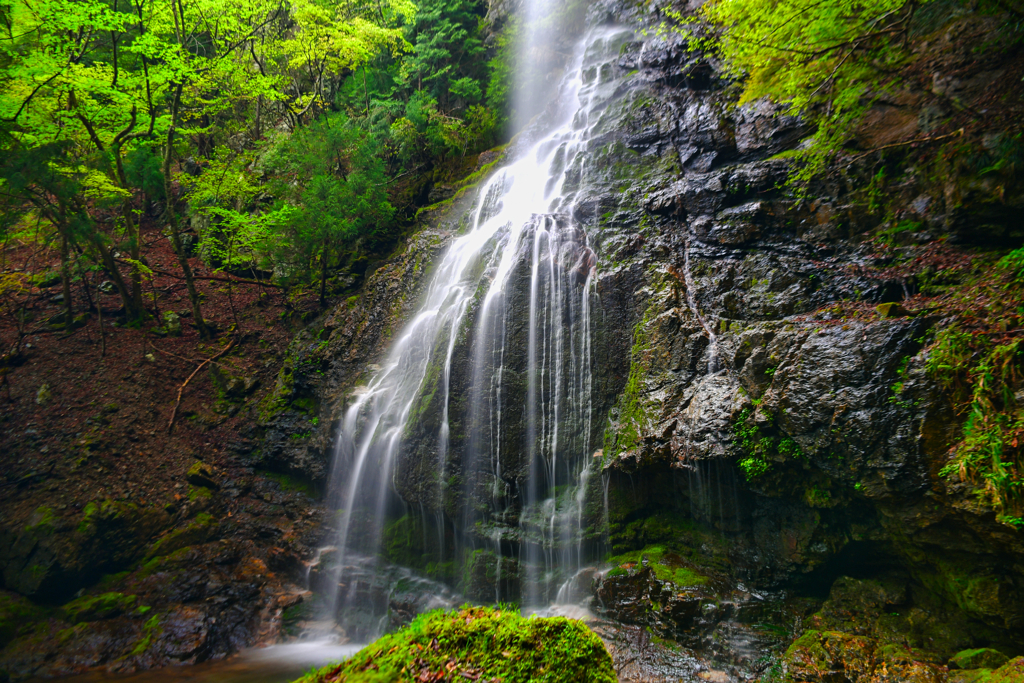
(128, 588)
(768, 401)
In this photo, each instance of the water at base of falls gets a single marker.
(485, 397)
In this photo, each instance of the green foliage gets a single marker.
(373, 90)
(482, 643)
(979, 362)
(981, 377)
(447, 50)
(143, 170)
(827, 61)
(761, 450)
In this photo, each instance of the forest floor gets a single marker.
(83, 419)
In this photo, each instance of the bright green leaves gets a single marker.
(828, 61)
(332, 38)
(981, 377)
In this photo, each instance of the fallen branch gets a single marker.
(214, 279)
(174, 412)
(168, 353)
(902, 144)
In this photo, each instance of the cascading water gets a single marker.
(490, 382)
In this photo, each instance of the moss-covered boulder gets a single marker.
(658, 589)
(827, 656)
(477, 643)
(978, 658)
(1010, 672)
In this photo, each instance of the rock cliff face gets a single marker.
(766, 417)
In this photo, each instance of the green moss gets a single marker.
(42, 521)
(150, 630)
(92, 508)
(634, 417)
(66, 634)
(96, 607)
(16, 614)
(402, 542)
(483, 644)
(818, 497)
(979, 658)
(290, 483)
(198, 531)
(667, 565)
(199, 493)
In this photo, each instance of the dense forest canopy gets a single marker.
(280, 126)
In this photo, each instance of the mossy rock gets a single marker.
(667, 566)
(829, 655)
(978, 658)
(96, 607)
(202, 475)
(1011, 672)
(477, 643)
(199, 531)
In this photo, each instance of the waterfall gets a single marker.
(490, 382)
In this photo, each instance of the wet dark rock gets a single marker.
(685, 614)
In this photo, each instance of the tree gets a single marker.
(343, 201)
(447, 48)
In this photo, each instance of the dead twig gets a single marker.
(901, 144)
(237, 281)
(174, 412)
(168, 353)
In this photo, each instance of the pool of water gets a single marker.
(275, 664)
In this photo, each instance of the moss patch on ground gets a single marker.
(477, 643)
(667, 565)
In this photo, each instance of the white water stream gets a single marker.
(522, 219)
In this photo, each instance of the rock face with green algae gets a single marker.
(478, 644)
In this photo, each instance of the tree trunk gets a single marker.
(172, 215)
(323, 275)
(111, 267)
(138, 308)
(65, 279)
